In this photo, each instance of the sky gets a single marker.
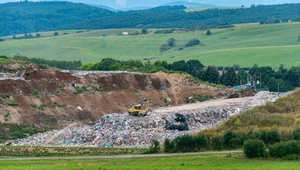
(118, 4)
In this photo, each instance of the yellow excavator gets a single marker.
(136, 110)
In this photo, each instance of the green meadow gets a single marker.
(191, 162)
(246, 45)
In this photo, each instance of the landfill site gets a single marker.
(124, 130)
(98, 115)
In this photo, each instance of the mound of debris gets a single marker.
(123, 130)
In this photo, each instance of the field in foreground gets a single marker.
(219, 161)
(246, 45)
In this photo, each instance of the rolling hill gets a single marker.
(188, 4)
(246, 45)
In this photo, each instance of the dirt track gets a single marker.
(202, 105)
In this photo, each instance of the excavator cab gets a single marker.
(136, 110)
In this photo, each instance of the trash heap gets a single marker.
(123, 130)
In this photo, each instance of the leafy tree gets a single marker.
(211, 75)
(242, 76)
(168, 146)
(56, 34)
(230, 78)
(208, 32)
(179, 66)
(171, 42)
(38, 35)
(144, 31)
(296, 134)
(254, 148)
(195, 68)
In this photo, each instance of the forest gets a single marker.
(30, 17)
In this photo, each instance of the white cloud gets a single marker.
(121, 2)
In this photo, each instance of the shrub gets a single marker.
(232, 140)
(296, 134)
(254, 148)
(36, 93)
(284, 149)
(18, 134)
(200, 141)
(193, 42)
(270, 137)
(168, 146)
(13, 103)
(217, 143)
(184, 143)
(155, 146)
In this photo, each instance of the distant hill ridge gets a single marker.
(188, 4)
(31, 17)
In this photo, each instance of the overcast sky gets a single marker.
(132, 3)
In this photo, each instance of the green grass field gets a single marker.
(192, 162)
(246, 45)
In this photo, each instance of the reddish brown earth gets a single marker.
(61, 105)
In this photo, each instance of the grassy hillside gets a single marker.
(282, 115)
(246, 45)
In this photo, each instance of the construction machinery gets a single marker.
(136, 110)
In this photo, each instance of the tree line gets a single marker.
(265, 77)
(28, 17)
(67, 65)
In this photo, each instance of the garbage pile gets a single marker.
(124, 130)
(6, 76)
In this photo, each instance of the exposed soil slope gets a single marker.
(46, 97)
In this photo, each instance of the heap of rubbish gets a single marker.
(124, 130)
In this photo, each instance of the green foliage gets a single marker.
(217, 143)
(284, 149)
(98, 89)
(186, 143)
(69, 65)
(169, 146)
(229, 77)
(296, 134)
(33, 105)
(80, 90)
(193, 42)
(144, 31)
(36, 93)
(7, 116)
(254, 149)
(155, 146)
(270, 137)
(208, 32)
(211, 75)
(13, 103)
(16, 134)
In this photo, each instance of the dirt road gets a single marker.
(202, 105)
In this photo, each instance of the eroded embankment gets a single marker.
(51, 98)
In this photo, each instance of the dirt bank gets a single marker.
(46, 97)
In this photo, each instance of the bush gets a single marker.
(13, 103)
(232, 140)
(284, 149)
(168, 146)
(193, 42)
(296, 134)
(200, 141)
(184, 143)
(254, 148)
(16, 134)
(217, 143)
(155, 147)
(270, 137)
